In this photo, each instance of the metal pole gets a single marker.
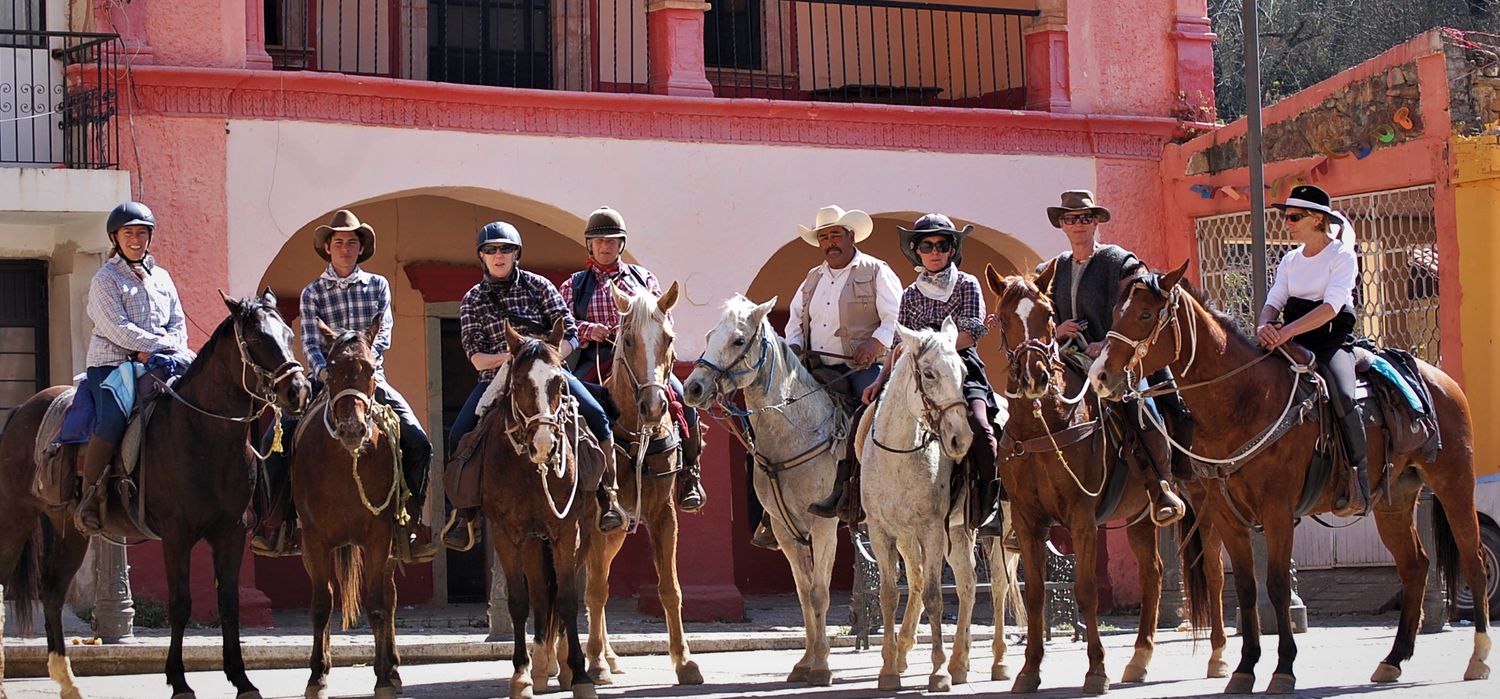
(1250, 23)
(499, 611)
(114, 609)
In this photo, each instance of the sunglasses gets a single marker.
(1293, 218)
(925, 247)
(498, 249)
(1078, 218)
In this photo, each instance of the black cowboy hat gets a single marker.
(1075, 200)
(928, 225)
(1306, 196)
(344, 220)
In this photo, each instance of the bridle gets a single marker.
(1050, 352)
(728, 371)
(358, 395)
(1169, 315)
(932, 413)
(639, 386)
(266, 381)
(555, 421)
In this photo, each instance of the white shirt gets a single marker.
(823, 309)
(1328, 276)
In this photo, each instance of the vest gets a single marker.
(585, 284)
(1096, 290)
(859, 316)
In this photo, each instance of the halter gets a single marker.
(727, 371)
(932, 413)
(639, 386)
(1051, 355)
(555, 422)
(358, 395)
(1169, 315)
(265, 381)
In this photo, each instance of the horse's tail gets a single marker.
(24, 586)
(348, 567)
(1194, 573)
(1447, 551)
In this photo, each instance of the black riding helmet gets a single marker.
(131, 213)
(499, 232)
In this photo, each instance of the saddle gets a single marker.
(57, 482)
(463, 475)
(1391, 392)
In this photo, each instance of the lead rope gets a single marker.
(562, 464)
(389, 424)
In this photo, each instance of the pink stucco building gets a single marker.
(715, 130)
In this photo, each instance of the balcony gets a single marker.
(872, 51)
(59, 99)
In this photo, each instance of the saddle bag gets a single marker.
(462, 481)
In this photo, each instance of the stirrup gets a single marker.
(447, 534)
(1175, 508)
(284, 544)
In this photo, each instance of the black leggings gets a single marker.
(1336, 365)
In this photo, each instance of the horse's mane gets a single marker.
(535, 350)
(345, 341)
(248, 307)
(1226, 324)
(1016, 285)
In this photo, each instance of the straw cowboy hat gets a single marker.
(829, 216)
(928, 225)
(1073, 201)
(344, 220)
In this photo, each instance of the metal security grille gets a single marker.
(1397, 296)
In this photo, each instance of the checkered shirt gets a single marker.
(132, 314)
(965, 306)
(528, 300)
(601, 309)
(346, 303)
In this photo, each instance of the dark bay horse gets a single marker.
(638, 385)
(1236, 390)
(533, 501)
(197, 473)
(1053, 454)
(348, 489)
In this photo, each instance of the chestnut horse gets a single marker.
(1054, 452)
(348, 489)
(1238, 392)
(638, 384)
(197, 472)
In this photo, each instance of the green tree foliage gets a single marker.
(1303, 42)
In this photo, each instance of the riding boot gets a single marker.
(1356, 502)
(1180, 426)
(611, 516)
(96, 457)
(277, 535)
(994, 519)
(458, 534)
(764, 537)
(690, 494)
(415, 543)
(1166, 507)
(828, 507)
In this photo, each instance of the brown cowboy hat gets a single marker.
(1075, 200)
(345, 220)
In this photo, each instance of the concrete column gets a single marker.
(256, 57)
(674, 37)
(1263, 602)
(1435, 601)
(129, 21)
(500, 627)
(1193, 37)
(1047, 87)
(1171, 578)
(114, 610)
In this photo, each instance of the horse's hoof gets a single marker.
(688, 673)
(601, 676)
(1026, 683)
(901, 666)
(798, 674)
(315, 692)
(1282, 683)
(820, 677)
(960, 675)
(939, 683)
(1386, 672)
(999, 672)
(584, 690)
(519, 690)
(1218, 668)
(888, 683)
(386, 692)
(1240, 683)
(1477, 670)
(1096, 682)
(251, 694)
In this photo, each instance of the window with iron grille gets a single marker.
(1396, 299)
(731, 35)
(23, 16)
(490, 42)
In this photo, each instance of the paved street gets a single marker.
(1333, 661)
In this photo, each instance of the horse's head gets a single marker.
(350, 384)
(1143, 337)
(538, 387)
(1023, 313)
(736, 349)
(265, 346)
(932, 358)
(643, 348)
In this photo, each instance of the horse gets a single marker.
(530, 465)
(799, 436)
(348, 513)
(638, 385)
(196, 471)
(1242, 397)
(909, 443)
(1058, 449)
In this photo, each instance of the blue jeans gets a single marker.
(109, 420)
(588, 408)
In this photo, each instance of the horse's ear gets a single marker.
(513, 339)
(668, 300)
(950, 331)
(760, 312)
(993, 279)
(1043, 279)
(559, 331)
(1170, 279)
(326, 333)
(373, 331)
(622, 300)
(908, 336)
(269, 297)
(230, 301)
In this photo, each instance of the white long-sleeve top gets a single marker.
(1328, 276)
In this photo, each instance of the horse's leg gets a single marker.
(1086, 592)
(534, 561)
(1453, 485)
(57, 574)
(1142, 537)
(1237, 544)
(573, 674)
(1278, 526)
(317, 560)
(177, 552)
(934, 545)
(379, 591)
(600, 556)
(961, 559)
(911, 555)
(518, 600)
(1034, 565)
(800, 559)
(1213, 571)
(1002, 578)
(884, 548)
(825, 539)
(662, 515)
(1396, 523)
(228, 550)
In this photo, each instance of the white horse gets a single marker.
(798, 436)
(908, 445)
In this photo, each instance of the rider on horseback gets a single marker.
(842, 321)
(941, 291)
(346, 297)
(1084, 288)
(530, 305)
(136, 314)
(587, 293)
(1313, 294)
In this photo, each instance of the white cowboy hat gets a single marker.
(855, 220)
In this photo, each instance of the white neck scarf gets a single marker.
(938, 285)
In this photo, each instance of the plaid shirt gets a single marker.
(601, 309)
(346, 303)
(965, 306)
(133, 314)
(527, 299)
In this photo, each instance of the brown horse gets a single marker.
(348, 512)
(1058, 460)
(638, 385)
(196, 470)
(533, 501)
(1237, 392)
